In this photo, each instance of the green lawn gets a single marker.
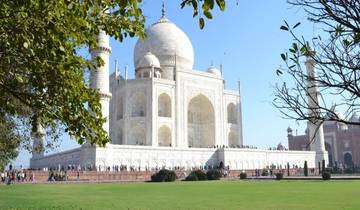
(185, 195)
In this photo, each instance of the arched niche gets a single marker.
(164, 105)
(138, 105)
(164, 136)
(119, 109)
(232, 113)
(201, 122)
(137, 136)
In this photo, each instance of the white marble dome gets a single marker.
(149, 60)
(214, 70)
(165, 40)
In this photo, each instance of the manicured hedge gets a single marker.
(326, 175)
(243, 175)
(213, 174)
(197, 175)
(164, 175)
(279, 176)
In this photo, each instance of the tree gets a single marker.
(42, 75)
(337, 64)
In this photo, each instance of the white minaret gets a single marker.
(316, 132)
(38, 136)
(99, 78)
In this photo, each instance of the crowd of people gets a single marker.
(13, 175)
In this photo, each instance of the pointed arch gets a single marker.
(164, 136)
(201, 122)
(119, 109)
(138, 108)
(232, 113)
(164, 105)
(137, 136)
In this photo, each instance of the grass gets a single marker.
(185, 195)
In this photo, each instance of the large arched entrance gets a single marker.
(201, 122)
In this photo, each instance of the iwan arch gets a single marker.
(170, 115)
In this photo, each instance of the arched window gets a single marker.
(164, 105)
(119, 109)
(138, 105)
(201, 122)
(164, 136)
(232, 113)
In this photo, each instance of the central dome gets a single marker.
(165, 40)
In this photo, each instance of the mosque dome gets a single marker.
(149, 60)
(213, 70)
(168, 43)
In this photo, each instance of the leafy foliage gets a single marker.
(9, 140)
(213, 174)
(164, 175)
(197, 175)
(279, 176)
(243, 175)
(41, 70)
(337, 66)
(204, 8)
(326, 175)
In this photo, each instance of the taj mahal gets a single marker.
(171, 115)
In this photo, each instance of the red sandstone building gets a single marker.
(341, 141)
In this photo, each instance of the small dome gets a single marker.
(280, 147)
(149, 60)
(213, 70)
(289, 130)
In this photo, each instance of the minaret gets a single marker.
(38, 136)
(316, 132)
(99, 77)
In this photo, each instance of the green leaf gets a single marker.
(284, 28)
(25, 45)
(221, 4)
(208, 15)
(283, 56)
(201, 23)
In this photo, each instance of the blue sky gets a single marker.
(247, 40)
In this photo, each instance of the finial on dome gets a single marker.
(163, 9)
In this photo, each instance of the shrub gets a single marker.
(326, 175)
(164, 175)
(213, 174)
(265, 172)
(197, 175)
(243, 175)
(279, 176)
(191, 177)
